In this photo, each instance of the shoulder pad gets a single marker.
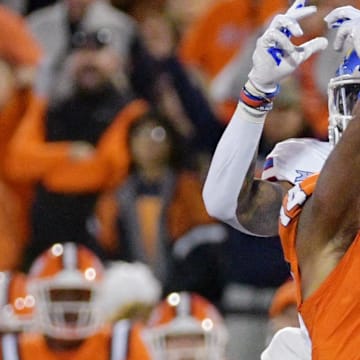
(293, 160)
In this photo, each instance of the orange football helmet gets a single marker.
(16, 304)
(186, 326)
(65, 282)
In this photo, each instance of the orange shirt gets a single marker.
(96, 347)
(17, 43)
(13, 228)
(331, 313)
(21, 51)
(10, 117)
(220, 33)
(15, 197)
(185, 211)
(31, 158)
(264, 10)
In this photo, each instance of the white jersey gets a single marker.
(294, 160)
(288, 344)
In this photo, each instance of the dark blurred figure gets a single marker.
(158, 216)
(55, 25)
(32, 5)
(72, 148)
(24, 7)
(176, 93)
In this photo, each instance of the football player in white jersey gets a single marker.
(252, 205)
(231, 192)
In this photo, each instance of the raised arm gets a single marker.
(331, 214)
(231, 193)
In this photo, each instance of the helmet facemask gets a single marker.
(186, 326)
(186, 338)
(343, 93)
(67, 306)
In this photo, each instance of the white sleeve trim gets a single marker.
(230, 163)
(9, 347)
(120, 339)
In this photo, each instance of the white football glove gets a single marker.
(275, 56)
(347, 20)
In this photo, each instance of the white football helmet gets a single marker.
(343, 93)
(65, 282)
(16, 304)
(186, 326)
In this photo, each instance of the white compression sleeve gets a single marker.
(230, 163)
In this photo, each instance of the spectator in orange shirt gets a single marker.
(221, 31)
(158, 217)
(75, 147)
(185, 13)
(313, 75)
(20, 55)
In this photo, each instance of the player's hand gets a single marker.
(275, 55)
(347, 20)
(81, 150)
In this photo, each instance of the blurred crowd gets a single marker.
(109, 114)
